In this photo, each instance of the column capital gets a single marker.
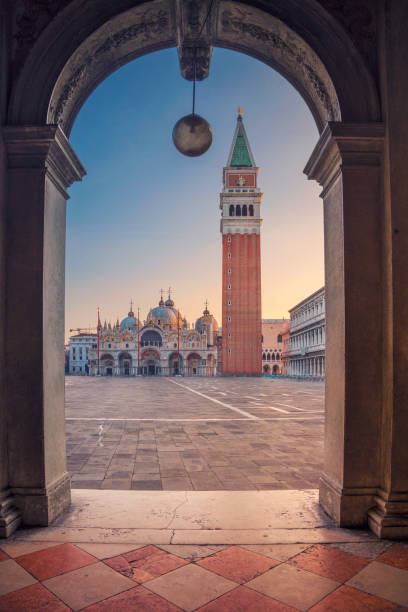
(43, 147)
(344, 145)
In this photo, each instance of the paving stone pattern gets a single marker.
(102, 577)
(194, 433)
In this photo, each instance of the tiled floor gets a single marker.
(204, 434)
(371, 576)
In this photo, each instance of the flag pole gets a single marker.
(178, 340)
(138, 340)
(99, 327)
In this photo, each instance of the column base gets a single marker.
(10, 517)
(347, 506)
(389, 518)
(40, 507)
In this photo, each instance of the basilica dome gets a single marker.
(129, 322)
(165, 315)
(162, 316)
(207, 323)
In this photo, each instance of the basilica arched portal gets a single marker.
(76, 50)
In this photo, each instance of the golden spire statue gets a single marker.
(240, 111)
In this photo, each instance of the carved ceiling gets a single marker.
(108, 35)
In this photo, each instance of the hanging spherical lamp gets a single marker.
(192, 135)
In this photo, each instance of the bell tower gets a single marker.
(240, 202)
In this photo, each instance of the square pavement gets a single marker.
(203, 434)
(260, 578)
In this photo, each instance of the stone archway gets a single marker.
(150, 362)
(107, 365)
(125, 364)
(76, 51)
(175, 364)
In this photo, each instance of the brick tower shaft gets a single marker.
(240, 202)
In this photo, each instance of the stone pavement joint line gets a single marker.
(147, 434)
(102, 577)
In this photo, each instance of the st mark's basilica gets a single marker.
(163, 345)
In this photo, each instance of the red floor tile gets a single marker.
(3, 556)
(238, 564)
(138, 598)
(145, 563)
(243, 599)
(31, 599)
(329, 562)
(397, 556)
(54, 561)
(347, 599)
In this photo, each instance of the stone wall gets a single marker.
(3, 166)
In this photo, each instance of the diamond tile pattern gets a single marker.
(53, 561)
(31, 599)
(330, 563)
(238, 564)
(370, 576)
(145, 563)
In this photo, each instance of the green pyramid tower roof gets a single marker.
(240, 154)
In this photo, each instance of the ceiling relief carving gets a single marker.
(359, 20)
(268, 38)
(131, 34)
(30, 17)
(194, 34)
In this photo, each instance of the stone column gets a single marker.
(389, 518)
(41, 165)
(347, 163)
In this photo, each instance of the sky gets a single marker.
(146, 217)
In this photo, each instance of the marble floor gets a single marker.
(220, 551)
(194, 433)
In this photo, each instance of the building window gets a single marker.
(279, 337)
(73, 369)
(109, 346)
(127, 346)
(251, 210)
(229, 286)
(231, 210)
(229, 238)
(229, 255)
(229, 319)
(238, 210)
(229, 351)
(229, 302)
(244, 211)
(229, 270)
(229, 335)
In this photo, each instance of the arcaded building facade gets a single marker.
(273, 333)
(304, 350)
(240, 204)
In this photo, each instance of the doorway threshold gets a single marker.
(194, 517)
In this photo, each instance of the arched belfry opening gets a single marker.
(57, 67)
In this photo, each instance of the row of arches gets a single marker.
(235, 210)
(150, 364)
(271, 356)
(274, 370)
